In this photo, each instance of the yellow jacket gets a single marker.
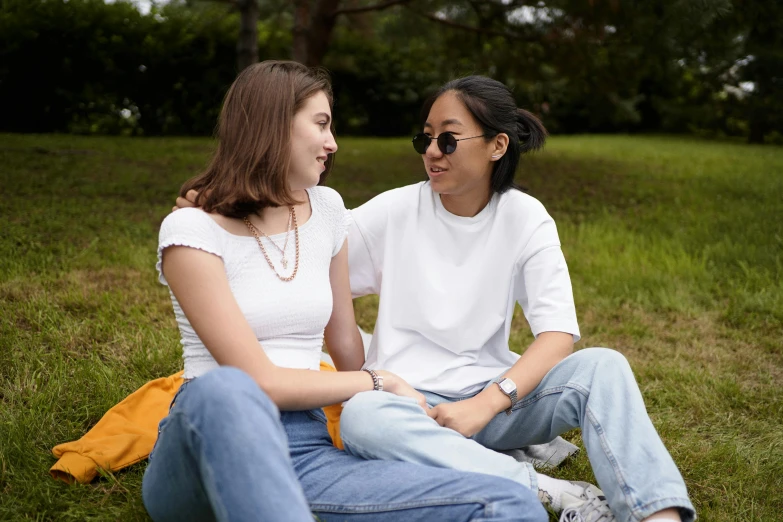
(127, 432)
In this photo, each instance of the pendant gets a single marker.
(284, 262)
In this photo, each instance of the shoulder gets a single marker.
(515, 203)
(185, 219)
(188, 223)
(327, 196)
(190, 227)
(327, 201)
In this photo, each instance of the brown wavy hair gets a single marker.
(249, 168)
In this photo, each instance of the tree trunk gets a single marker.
(247, 47)
(320, 35)
(299, 51)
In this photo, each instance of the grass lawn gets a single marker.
(674, 245)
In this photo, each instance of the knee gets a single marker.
(605, 359)
(225, 391)
(370, 414)
(607, 367)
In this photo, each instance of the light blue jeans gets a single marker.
(226, 453)
(593, 389)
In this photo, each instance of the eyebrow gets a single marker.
(452, 121)
(324, 115)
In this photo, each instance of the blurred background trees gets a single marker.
(711, 67)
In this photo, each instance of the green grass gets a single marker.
(674, 247)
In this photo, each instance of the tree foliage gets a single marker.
(706, 66)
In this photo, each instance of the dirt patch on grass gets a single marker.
(103, 280)
(573, 187)
(691, 342)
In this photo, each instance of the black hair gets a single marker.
(493, 106)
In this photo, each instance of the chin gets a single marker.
(438, 186)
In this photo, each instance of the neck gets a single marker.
(273, 212)
(468, 204)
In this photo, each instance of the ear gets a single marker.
(499, 146)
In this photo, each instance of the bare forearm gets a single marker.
(347, 353)
(293, 389)
(541, 356)
(342, 336)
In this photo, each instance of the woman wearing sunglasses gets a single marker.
(258, 277)
(450, 258)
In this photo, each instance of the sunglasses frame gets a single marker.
(442, 141)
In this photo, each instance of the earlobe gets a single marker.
(501, 144)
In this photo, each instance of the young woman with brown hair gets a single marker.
(258, 277)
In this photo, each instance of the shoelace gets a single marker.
(593, 510)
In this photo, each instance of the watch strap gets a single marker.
(513, 395)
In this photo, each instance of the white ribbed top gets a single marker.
(288, 318)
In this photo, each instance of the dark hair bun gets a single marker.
(530, 131)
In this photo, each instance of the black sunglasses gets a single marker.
(447, 143)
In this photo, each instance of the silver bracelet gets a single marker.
(377, 380)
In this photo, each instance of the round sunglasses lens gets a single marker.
(421, 142)
(447, 143)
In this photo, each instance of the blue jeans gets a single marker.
(593, 389)
(226, 453)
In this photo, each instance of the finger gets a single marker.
(183, 203)
(192, 195)
(174, 209)
(437, 415)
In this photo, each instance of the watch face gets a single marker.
(507, 386)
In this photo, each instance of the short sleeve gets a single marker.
(336, 218)
(542, 285)
(341, 230)
(188, 227)
(366, 244)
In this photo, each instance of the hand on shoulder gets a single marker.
(188, 201)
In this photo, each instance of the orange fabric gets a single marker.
(124, 435)
(333, 413)
(127, 432)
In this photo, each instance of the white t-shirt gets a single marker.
(448, 284)
(288, 318)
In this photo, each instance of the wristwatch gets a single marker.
(508, 387)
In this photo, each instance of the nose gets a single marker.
(330, 145)
(432, 150)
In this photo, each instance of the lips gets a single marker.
(434, 171)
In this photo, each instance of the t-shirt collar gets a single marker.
(444, 214)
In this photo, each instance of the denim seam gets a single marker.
(543, 393)
(353, 449)
(400, 506)
(208, 469)
(629, 499)
(634, 506)
(316, 417)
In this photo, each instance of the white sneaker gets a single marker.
(590, 506)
